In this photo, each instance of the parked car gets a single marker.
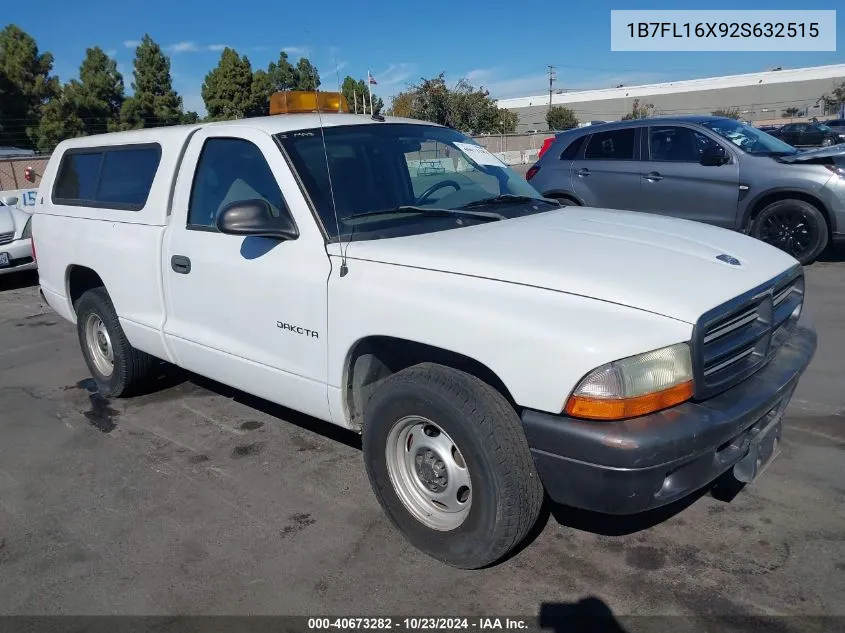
(768, 128)
(15, 238)
(708, 169)
(809, 135)
(836, 124)
(485, 342)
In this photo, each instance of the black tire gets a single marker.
(506, 491)
(565, 202)
(131, 367)
(794, 226)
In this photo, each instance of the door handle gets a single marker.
(180, 264)
(653, 176)
(583, 172)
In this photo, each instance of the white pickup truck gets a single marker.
(488, 344)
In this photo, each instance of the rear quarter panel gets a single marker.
(122, 246)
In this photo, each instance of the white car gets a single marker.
(487, 343)
(15, 238)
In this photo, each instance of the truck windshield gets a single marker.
(380, 171)
(750, 139)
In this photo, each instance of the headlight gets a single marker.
(634, 386)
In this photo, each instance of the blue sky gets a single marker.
(493, 43)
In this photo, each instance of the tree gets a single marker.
(98, 95)
(402, 105)
(731, 113)
(190, 117)
(791, 112)
(463, 106)
(279, 76)
(306, 76)
(227, 89)
(154, 101)
(59, 120)
(282, 75)
(356, 91)
(25, 86)
(639, 111)
(561, 118)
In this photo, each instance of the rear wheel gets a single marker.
(118, 368)
(794, 226)
(449, 463)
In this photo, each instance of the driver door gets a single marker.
(249, 312)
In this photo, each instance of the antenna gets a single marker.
(343, 267)
(337, 72)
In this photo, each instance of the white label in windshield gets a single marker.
(479, 154)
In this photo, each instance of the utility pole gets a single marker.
(552, 78)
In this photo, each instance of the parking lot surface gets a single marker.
(196, 499)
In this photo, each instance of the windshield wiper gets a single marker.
(506, 198)
(434, 212)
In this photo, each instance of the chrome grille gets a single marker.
(5, 238)
(736, 339)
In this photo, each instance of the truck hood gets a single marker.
(662, 265)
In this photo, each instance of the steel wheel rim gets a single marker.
(789, 231)
(428, 473)
(99, 344)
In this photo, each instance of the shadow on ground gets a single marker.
(17, 281)
(832, 254)
(589, 614)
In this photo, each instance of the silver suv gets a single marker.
(703, 168)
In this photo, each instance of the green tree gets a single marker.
(59, 119)
(98, 95)
(25, 86)
(357, 91)
(282, 75)
(731, 113)
(306, 76)
(463, 106)
(190, 117)
(561, 118)
(227, 89)
(154, 101)
(639, 111)
(791, 112)
(262, 88)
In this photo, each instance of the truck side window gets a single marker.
(230, 170)
(113, 177)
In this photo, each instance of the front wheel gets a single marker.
(449, 463)
(794, 226)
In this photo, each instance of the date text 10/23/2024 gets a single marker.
(420, 624)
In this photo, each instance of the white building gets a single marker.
(759, 96)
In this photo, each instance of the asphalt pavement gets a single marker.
(196, 499)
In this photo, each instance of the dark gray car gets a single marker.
(707, 169)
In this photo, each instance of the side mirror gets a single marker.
(714, 156)
(254, 218)
(10, 201)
